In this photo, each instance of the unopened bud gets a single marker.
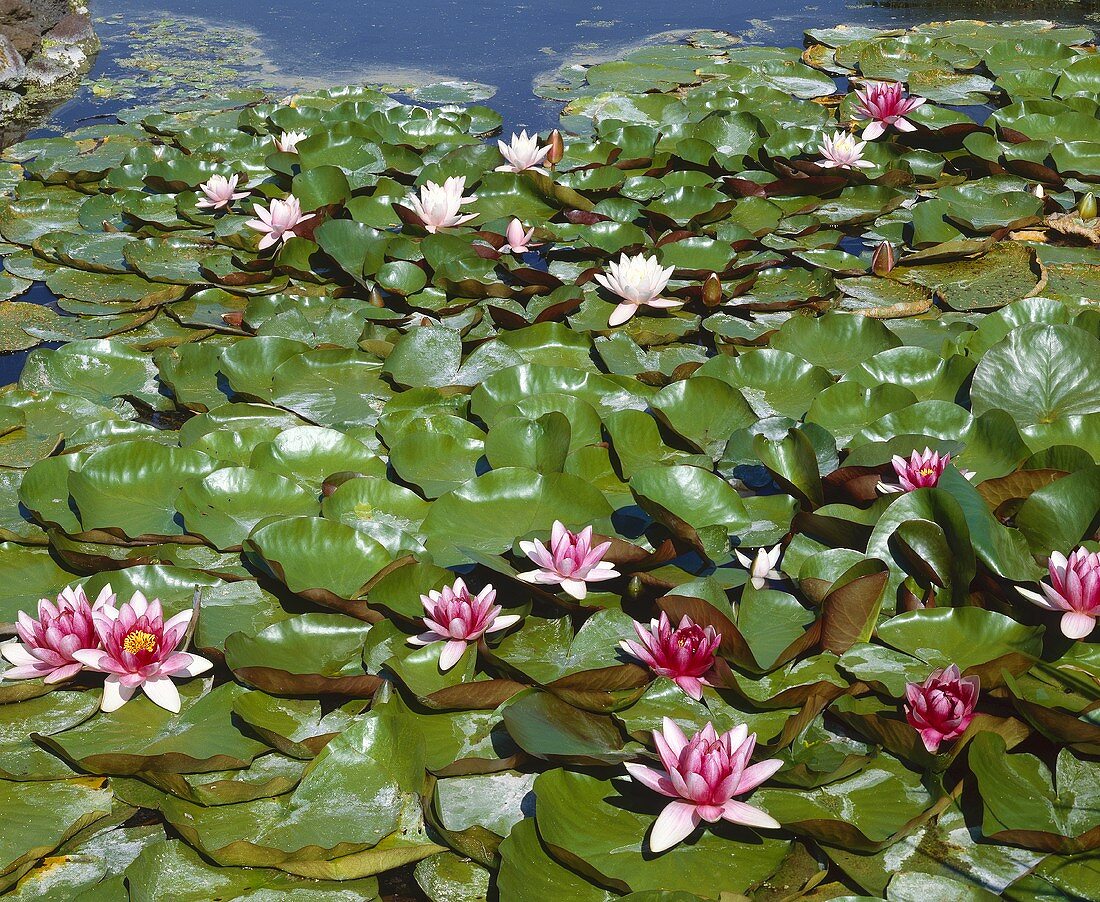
(882, 261)
(712, 290)
(1087, 207)
(557, 148)
(634, 587)
(1039, 192)
(376, 299)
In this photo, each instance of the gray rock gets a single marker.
(45, 73)
(9, 100)
(25, 36)
(72, 29)
(12, 67)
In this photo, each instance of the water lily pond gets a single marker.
(668, 475)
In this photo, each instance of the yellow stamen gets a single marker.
(926, 471)
(139, 640)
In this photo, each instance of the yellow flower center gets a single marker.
(926, 471)
(139, 640)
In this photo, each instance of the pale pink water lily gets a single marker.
(519, 241)
(638, 281)
(279, 221)
(523, 153)
(458, 618)
(1074, 590)
(922, 470)
(685, 655)
(141, 651)
(885, 104)
(288, 141)
(47, 646)
(703, 775)
(439, 206)
(220, 192)
(842, 151)
(763, 567)
(941, 707)
(571, 561)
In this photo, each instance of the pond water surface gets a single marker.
(510, 45)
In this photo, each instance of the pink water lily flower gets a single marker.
(885, 104)
(922, 470)
(703, 775)
(523, 153)
(220, 192)
(941, 707)
(439, 206)
(47, 646)
(519, 241)
(457, 618)
(140, 651)
(638, 281)
(288, 141)
(1074, 589)
(570, 561)
(843, 151)
(685, 655)
(278, 223)
(762, 567)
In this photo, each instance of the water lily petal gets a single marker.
(739, 813)
(674, 824)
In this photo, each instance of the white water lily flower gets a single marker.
(523, 153)
(288, 141)
(763, 567)
(220, 192)
(519, 241)
(639, 281)
(439, 206)
(278, 222)
(843, 151)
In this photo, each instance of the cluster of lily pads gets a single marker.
(698, 503)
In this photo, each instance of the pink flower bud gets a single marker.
(941, 707)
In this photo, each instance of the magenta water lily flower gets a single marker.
(885, 104)
(842, 151)
(519, 241)
(439, 206)
(457, 618)
(922, 470)
(220, 192)
(941, 707)
(1074, 590)
(47, 646)
(638, 281)
(279, 221)
(571, 561)
(523, 153)
(288, 141)
(685, 655)
(763, 567)
(703, 775)
(141, 651)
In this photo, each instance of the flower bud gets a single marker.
(941, 707)
(1086, 209)
(557, 148)
(882, 261)
(712, 290)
